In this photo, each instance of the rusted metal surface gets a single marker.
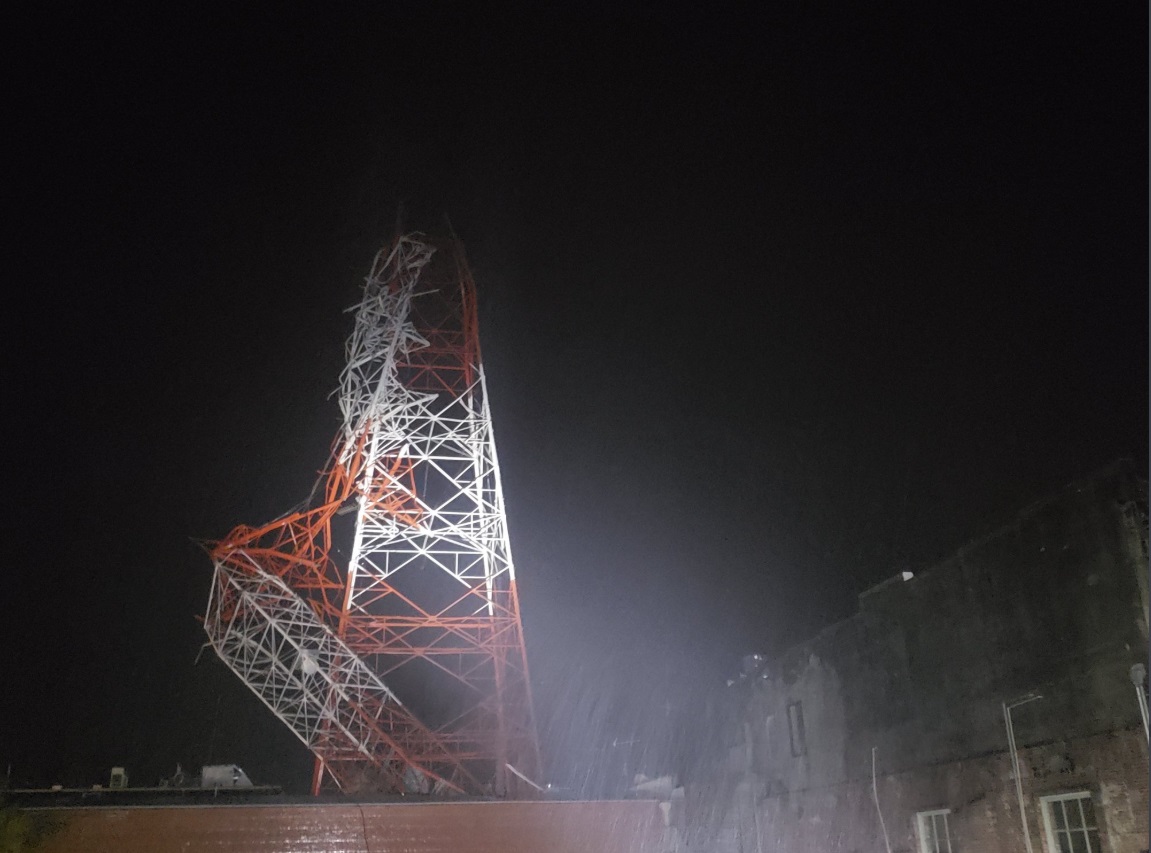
(483, 827)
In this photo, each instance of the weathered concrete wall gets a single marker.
(1049, 603)
(1053, 603)
(496, 827)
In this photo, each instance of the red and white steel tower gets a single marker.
(403, 668)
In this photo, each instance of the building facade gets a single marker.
(891, 731)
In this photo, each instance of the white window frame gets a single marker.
(1045, 804)
(921, 819)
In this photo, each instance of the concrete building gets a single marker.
(889, 731)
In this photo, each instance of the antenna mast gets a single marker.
(405, 669)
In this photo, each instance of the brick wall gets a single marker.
(482, 827)
(978, 792)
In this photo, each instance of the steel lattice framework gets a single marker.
(426, 604)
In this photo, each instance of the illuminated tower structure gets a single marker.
(403, 668)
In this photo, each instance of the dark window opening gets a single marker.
(795, 728)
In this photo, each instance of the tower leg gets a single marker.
(317, 776)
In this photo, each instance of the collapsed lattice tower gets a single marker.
(424, 614)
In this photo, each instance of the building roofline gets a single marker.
(1122, 465)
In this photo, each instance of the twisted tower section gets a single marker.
(426, 607)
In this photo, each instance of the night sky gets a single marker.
(771, 308)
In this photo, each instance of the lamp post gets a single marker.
(1139, 678)
(1007, 706)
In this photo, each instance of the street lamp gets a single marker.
(1007, 706)
(1139, 678)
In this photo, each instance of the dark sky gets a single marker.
(771, 307)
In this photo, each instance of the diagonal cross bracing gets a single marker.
(428, 593)
(309, 678)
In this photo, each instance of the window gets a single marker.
(795, 728)
(933, 834)
(1071, 823)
